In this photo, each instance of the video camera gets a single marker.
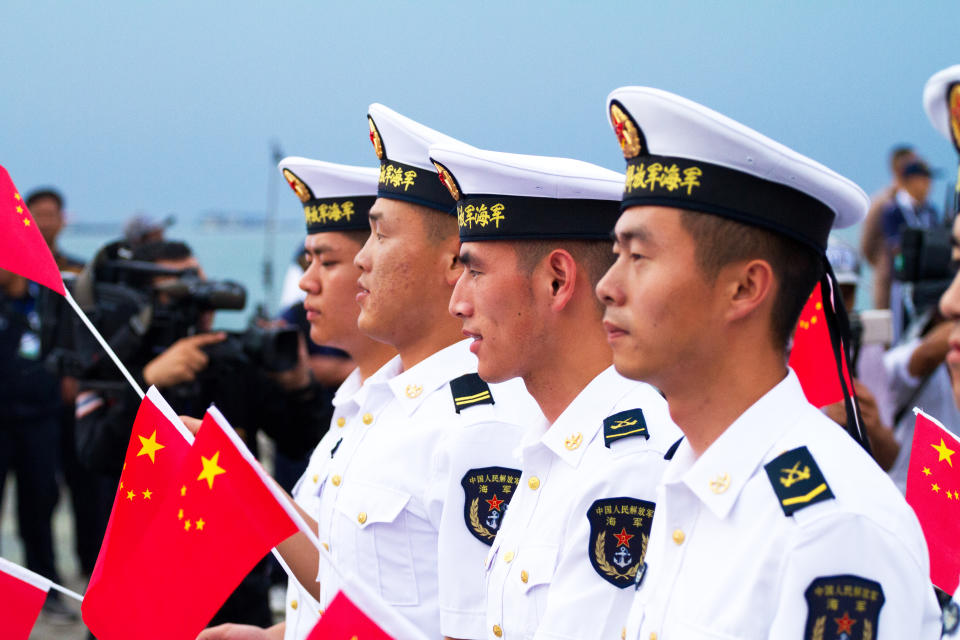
(140, 305)
(925, 264)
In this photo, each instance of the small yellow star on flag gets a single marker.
(130, 495)
(926, 471)
(150, 446)
(210, 469)
(26, 222)
(199, 524)
(16, 196)
(19, 209)
(147, 494)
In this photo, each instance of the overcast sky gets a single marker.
(171, 106)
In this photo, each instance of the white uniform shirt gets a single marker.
(544, 578)
(302, 611)
(726, 562)
(392, 502)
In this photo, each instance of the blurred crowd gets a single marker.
(76, 418)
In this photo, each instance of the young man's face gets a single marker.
(658, 302)
(497, 304)
(49, 218)
(404, 272)
(330, 281)
(950, 308)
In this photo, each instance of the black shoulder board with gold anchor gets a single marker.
(624, 425)
(844, 606)
(797, 480)
(619, 533)
(487, 493)
(469, 390)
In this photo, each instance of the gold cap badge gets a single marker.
(375, 139)
(447, 180)
(953, 104)
(627, 132)
(298, 186)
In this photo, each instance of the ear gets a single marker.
(749, 286)
(451, 259)
(560, 275)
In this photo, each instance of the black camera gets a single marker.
(141, 307)
(925, 263)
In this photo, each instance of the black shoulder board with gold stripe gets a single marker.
(797, 480)
(624, 425)
(469, 390)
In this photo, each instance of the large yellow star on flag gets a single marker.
(944, 452)
(210, 469)
(150, 446)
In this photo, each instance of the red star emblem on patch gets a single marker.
(494, 503)
(623, 538)
(845, 624)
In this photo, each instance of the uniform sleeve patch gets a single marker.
(487, 492)
(624, 425)
(619, 533)
(844, 606)
(469, 390)
(797, 480)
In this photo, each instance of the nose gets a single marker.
(460, 306)
(362, 259)
(310, 281)
(609, 290)
(950, 300)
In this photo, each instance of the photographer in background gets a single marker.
(194, 367)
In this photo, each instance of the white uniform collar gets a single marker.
(719, 475)
(581, 421)
(416, 383)
(348, 388)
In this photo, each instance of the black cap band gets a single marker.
(413, 184)
(493, 217)
(701, 186)
(337, 214)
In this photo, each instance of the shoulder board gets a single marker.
(797, 480)
(625, 424)
(469, 390)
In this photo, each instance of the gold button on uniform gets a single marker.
(325, 546)
(335, 480)
(534, 483)
(293, 605)
(367, 418)
(653, 635)
(524, 576)
(623, 633)
(508, 556)
(497, 631)
(316, 478)
(679, 536)
(362, 517)
(341, 421)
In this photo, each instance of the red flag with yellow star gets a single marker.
(344, 620)
(812, 355)
(159, 443)
(22, 594)
(22, 247)
(221, 518)
(933, 490)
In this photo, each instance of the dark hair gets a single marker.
(46, 192)
(162, 250)
(797, 267)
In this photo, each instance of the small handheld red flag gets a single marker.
(812, 355)
(933, 490)
(22, 247)
(158, 445)
(22, 594)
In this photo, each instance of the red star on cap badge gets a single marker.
(623, 538)
(495, 503)
(618, 128)
(845, 624)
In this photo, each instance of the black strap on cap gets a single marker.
(838, 325)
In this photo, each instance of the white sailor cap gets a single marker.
(682, 154)
(402, 146)
(508, 196)
(335, 197)
(941, 101)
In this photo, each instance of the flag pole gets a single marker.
(35, 579)
(67, 592)
(103, 343)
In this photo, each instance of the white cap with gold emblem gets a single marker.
(335, 197)
(682, 154)
(941, 101)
